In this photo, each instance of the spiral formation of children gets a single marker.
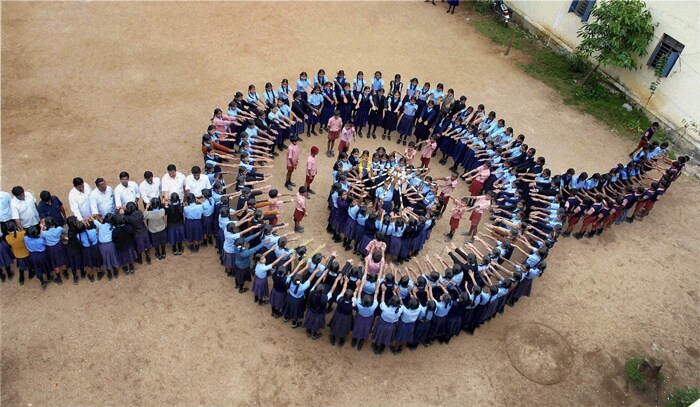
(381, 206)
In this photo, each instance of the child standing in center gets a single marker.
(335, 123)
(292, 161)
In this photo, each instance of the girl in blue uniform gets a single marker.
(38, 258)
(303, 86)
(193, 222)
(329, 102)
(385, 329)
(405, 127)
(411, 90)
(391, 114)
(284, 93)
(377, 82)
(315, 102)
(358, 84)
(55, 249)
(363, 105)
(364, 318)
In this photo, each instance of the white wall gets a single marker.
(677, 96)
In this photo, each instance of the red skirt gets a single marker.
(476, 187)
(333, 135)
(309, 180)
(649, 203)
(290, 168)
(425, 160)
(589, 219)
(475, 217)
(574, 220)
(445, 198)
(343, 146)
(298, 215)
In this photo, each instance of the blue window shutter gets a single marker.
(672, 58)
(573, 6)
(588, 10)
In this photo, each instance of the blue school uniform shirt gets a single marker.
(377, 84)
(269, 96)
(590, 183)
(409, 109)
(352, 212)
(208, 206)
(406, 291)
(261, 270)
(362, 219)
(193, 211)
(297, 290)
(302, 84)
(224, 221)
(442, 308)
(388, 230)
(313, 266)
(35, 244)
(390, 314)
(88, 237)
(576, 184)
(252, 98)
(285, 253)
(269, 241)
(436, 94)
(366, 311)
(409, 316)
(533, 259)
(429, 198)
(242, 260)
(104, 232)
(315, 99)
(424, 94)
(398, 231)
(358, 84)
(52, 236)
(284, 92)
(386, 194)
(370, 287)
(345, 166)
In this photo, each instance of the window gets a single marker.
(667, 47)
(582, 8)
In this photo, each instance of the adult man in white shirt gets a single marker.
(23, 206)
(173, 181)
(79, 199)
(149, 188)
(5, 210)
(127, 191)
(102, 199)
(195, 182)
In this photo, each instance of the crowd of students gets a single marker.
(381, 205)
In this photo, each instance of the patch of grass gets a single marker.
(564, 73)
(499, 34)
(634, 376)
(683, 397)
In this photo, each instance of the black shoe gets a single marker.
(100, 275)
(43, 285)
(82, 273)
(289, 186)
(360, 343)
(91, 278)
(243, 290)
(21, 280)
(316, 336)
(2, 277)
(398, 141)
(311, 191)
(353, 342)
(58, 280)
(65, 273)
(404, 143)
(75, 279)
(109, 275)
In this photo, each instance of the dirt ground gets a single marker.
(90, 89)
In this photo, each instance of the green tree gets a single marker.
(617, 35)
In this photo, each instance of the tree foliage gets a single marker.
(618, 33)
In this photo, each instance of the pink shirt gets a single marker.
(335, 124)
(311, 167)
(221, 123)
(293, 155)
(482, 205)
(275, 204)
(458, 211)
(482, 174)
(347, 135)
(428, 150)
(300, 203)
(449, 187)
(409, 153)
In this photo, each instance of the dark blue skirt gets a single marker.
(294, 307)
(394, 246)
(326, 112)
(126, 257)
(229, 260)
(362, 327)
(92, 256)
(437, 328)
(404, 332)
(142, 242)
(341, 324)
(109, 256)
(375, 117)
(207, 224)
(384, 332)
(277, 299)
(193, 230)
(420, 333)
(159, 238)
(57, 255)
(390, 121)
(260, 287)
(23, 264)
(40, 263)
(345, 112)
(76, 261)
(220, 239)
(313, 119)
(315, 321)
(405, 126)
(348, 229)
(361, 116)
(176, 234)
(453, 325)
(5, 255)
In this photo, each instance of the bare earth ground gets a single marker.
(90, 89)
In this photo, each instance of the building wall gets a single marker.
(676, 98)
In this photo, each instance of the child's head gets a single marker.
(360, 74)
(336, 113)
(314, 151)
(378, 74)
(303, 191)
(294, 139)
(303, 75)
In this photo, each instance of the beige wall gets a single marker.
(677, 96)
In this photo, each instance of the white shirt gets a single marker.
(196, 186)
(5, 206)
(125, 194)
(168, 185)
(102, 203)
(80, 202)
(25, 210)
(149, 191)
